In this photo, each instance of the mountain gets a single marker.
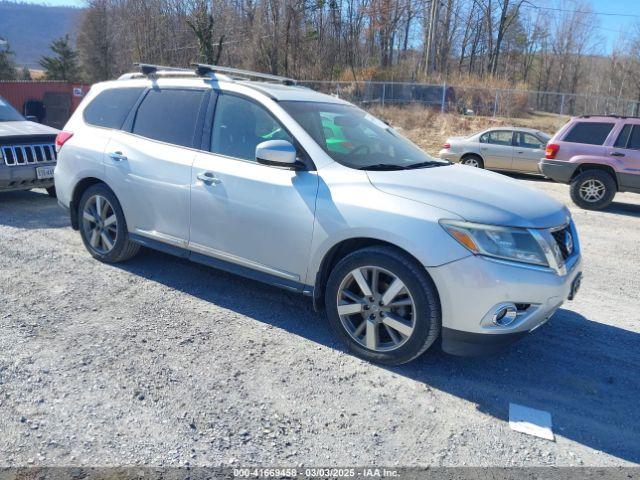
(30, 28)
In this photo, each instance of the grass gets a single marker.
(429, 128)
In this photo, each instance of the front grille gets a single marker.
(28, 154)
(564, 239)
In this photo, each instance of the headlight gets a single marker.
(516, 244)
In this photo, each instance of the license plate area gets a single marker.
(44, 173)
(575, 286)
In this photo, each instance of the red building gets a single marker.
(51, 102)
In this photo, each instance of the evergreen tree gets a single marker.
(25, 74)
(7, 66)
(64, 65)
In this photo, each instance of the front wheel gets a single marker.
(383, 305)
(103, 227)
(593, 189)
(51, 191)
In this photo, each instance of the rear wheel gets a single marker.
(383, 305)
(593, 189)
(102, 226)
(472, 161)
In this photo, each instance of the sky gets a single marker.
(610, 28)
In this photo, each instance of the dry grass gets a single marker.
(429, 128)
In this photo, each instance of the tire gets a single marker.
(422, 316)
(51, 191)
(121, 247)
(603, 189)
(472, 160)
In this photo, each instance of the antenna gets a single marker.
(203, 69)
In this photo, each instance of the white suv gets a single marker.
(305, 191)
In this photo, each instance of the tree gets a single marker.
(95, 43)
(64, 65)
(25, 74)
(7, 66)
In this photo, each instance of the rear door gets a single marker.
(528, 150)
(496, 148)
(626, 156)
(149, 165)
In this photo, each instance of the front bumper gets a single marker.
(473, 288)
(22, 177)
(557, 170)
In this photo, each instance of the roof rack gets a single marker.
(151, 70)
(203, 69)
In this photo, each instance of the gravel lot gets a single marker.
(162, 362)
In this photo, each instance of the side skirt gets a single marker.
(223, 265)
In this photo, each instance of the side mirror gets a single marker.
(31, 118)
(277, 153)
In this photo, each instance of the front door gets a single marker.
(496, 148)
(528, 151)
(245, 214)
(626, 156)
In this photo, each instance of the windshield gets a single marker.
(8, 113)
(544, 137)
(356, 139)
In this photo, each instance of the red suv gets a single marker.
(598, 156)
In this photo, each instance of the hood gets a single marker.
(474, 194)
(24, 127)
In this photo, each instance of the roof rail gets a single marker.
(150, 70)
(203, 69)
(608, 116)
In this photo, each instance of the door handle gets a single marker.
(520, 151)
(117, 157)
(208, 178)
(617, 154)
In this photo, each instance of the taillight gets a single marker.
(446, 146)
(552, 150)
(62, 138)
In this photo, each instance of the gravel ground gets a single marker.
(162, 362)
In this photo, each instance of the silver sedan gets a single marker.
(506, 148)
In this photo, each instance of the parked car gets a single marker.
(598, 156)
(505, 148)
(307, 192)
(27, 152)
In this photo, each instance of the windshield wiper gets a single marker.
(382, 166)
(427, 164)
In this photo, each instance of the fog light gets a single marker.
(505, 315)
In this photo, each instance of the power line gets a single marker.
(586, 12)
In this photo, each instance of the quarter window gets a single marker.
(591, 133)
(169, 116)
(110, 108)
(240, 125)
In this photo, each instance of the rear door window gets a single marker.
(169, 115)
(526, 140)
(500, 137)
(591, 133)
(110, 108)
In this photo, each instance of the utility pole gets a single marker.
(431, 35)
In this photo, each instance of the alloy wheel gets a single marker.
(100, 224)
(376, 308)
(592, 190)
(472, 162)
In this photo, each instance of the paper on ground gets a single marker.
(530, 421)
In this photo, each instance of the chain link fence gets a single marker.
(474, 100)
